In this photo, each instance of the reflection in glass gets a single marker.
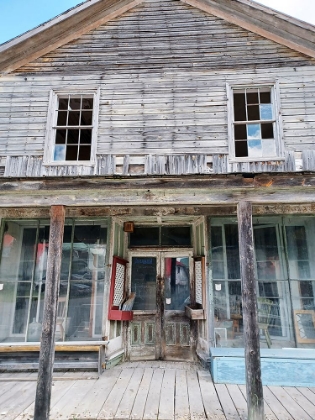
(177, 282)
(143, 282)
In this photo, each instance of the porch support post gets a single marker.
(47, 348)
(254, 389)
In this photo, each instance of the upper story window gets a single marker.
(254, 123)
(71, 134)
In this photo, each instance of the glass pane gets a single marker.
(267, 253)
(61, 136)
(239, 107)
(241, 149)
(144, 236)
(266, 112)
(62, 118)
(299, 265)
(267, 131)
(253, 112)
(63, 103)
(86, 118)
(253, 131)
(60, 152)
(87, 103)
(75, 103)
(72, 153)
(84, 153)
(252, 97)
(232, 251)
(269, 148)
(265, 97)
(254, 148)
(85, 136)
(74, 118)
(240, 132)
(177, 283)
(73, 136)
(175, 236)
(143, 282)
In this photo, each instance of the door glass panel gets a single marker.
(176, 274)
(143, 282)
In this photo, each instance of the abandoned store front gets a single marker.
(175, 281)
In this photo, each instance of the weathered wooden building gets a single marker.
(149, 121)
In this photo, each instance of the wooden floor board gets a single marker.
(228, 406)
(111, 404)
(166, 409)
(93, 402)
(288, 402)
(181, 396)
(141, 397)
(269, 414)
(194, 396)
(13, 407)
(151, 408)
(238, 400)
(302, 401)
(308, 394)
(127, 402)
(280, 412)
(212, 406)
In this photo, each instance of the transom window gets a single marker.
(72, 128)
(254, 123)
(160, 236)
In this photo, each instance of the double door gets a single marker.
(162, 283)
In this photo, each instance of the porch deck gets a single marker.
(148, 390)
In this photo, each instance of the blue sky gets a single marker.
(18, 16)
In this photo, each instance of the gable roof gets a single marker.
(273, 25)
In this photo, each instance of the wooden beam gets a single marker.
(47, 350)
(255, 399)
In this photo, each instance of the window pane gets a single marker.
(240, 132)
(269, 148)
(177, 283)
(87, 103)
(252, 97)
(61, 136)
(84, 153)
(74, 118)
(232, 251)
(267, 253)
(60, 153)
(266, 112)
(241, 149)
(265, 97)
(253, 112)
(239, 107)
(144, 236)
(86, 136)
(267, 131)
(73, 136)
(75, 103)
(86, 118)
(254, 148)
(253, 131)
(62, 118)
(175, 236)
(143, 282)
(63, 103)
(72, 153)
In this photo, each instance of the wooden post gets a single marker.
(47, 348)
(254, 389)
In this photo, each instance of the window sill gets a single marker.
(70, 163)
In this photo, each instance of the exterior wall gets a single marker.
(163, 92)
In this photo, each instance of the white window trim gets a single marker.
(275, 92)
(52, 121)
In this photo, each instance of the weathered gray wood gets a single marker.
(126, 404)
(151, 409)
(141, 398)
(182, 411)
(210, 399)
(167, 400)
(238, 400)
(301, 398)
(195, 401)
(288, 402)
(46, 356)
(228, 406)
(255, 402)
(270, 415)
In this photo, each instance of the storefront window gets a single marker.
(285, 273)
(24, 253)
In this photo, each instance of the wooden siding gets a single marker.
(162, 70)
(165, 34)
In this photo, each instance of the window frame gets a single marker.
(278, 130)
(50, 137)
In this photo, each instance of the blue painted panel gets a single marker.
(275, 370)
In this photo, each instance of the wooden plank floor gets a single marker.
(148, 390)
